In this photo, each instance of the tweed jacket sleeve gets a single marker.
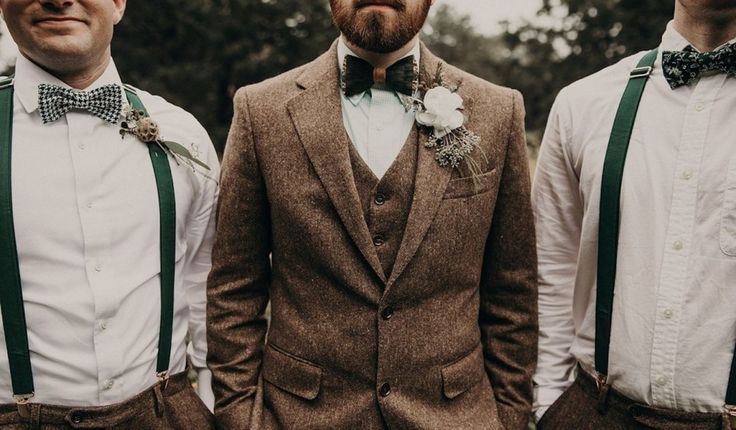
(508, 312)
(237, 294)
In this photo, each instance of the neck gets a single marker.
(705, 28)
(378, 59)
(73, 75)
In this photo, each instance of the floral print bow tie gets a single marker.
(683, 67)
(105, 102)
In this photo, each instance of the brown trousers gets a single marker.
(581, 408)
(174, 407)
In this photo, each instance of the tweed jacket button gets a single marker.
(380, 199)
(379, 240)
(387, 313)
(385, 390)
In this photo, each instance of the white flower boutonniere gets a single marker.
(136, 123)
(441, 109)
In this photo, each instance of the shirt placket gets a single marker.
(378, 119)
(95, 234)
(678, 242)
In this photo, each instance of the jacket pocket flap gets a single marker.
(290, 373)
(463, 374)
(469, 186)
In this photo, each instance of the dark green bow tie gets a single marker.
(359, 76)
(683, 67)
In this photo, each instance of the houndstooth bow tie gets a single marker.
(105, 102)
(683, 67)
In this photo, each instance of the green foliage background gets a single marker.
(196, 53)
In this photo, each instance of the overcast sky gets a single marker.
(487, 13)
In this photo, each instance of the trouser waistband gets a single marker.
(98, 416)
(652, 416)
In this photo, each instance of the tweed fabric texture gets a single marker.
(683, 67)
(386, 202)
(176, 407)
(578, 408)
(105, 102)
(460, 346)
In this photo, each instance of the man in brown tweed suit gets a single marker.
(403, 292)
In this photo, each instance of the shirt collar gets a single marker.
(343, 51)
(28, 76)
(672, 40)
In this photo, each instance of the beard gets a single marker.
(377, 31)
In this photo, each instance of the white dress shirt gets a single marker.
(674, 317)
(87, 230)
(376, 120)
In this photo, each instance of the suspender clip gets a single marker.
(23, 401)
(641, 72)
(729, 415)
(163, 378)
(601, 380)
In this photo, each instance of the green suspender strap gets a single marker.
(167, 210)
(608, 225)
(11, 296)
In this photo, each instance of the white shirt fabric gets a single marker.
(87, 231)
(674, 324)
(376, 121)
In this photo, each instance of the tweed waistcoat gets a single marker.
(386, 202)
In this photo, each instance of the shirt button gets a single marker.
(687, 175)
(109, 383)
(387, 313)
(699, 106)
(89, 205)
(98, 267)
(385, 390)
(668, 313)
(379, 240)
(661, 380)
(380, 199)
(677, 245)
(103, 325)
(82, 146)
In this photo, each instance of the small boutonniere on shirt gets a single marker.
(137, 124)
(440, 108)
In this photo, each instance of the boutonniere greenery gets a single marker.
(440, 109)
(137, 124)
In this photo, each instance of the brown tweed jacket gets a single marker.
(447, 340)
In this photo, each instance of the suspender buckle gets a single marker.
(23, 401)
(163, 378)
(641, 72)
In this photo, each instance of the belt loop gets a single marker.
(159, 400)
(601, 382)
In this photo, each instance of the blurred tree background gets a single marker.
(198, 52)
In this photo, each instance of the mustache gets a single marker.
(396, 4)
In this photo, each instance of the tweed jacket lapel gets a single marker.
(431, 178)
(317, 116)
